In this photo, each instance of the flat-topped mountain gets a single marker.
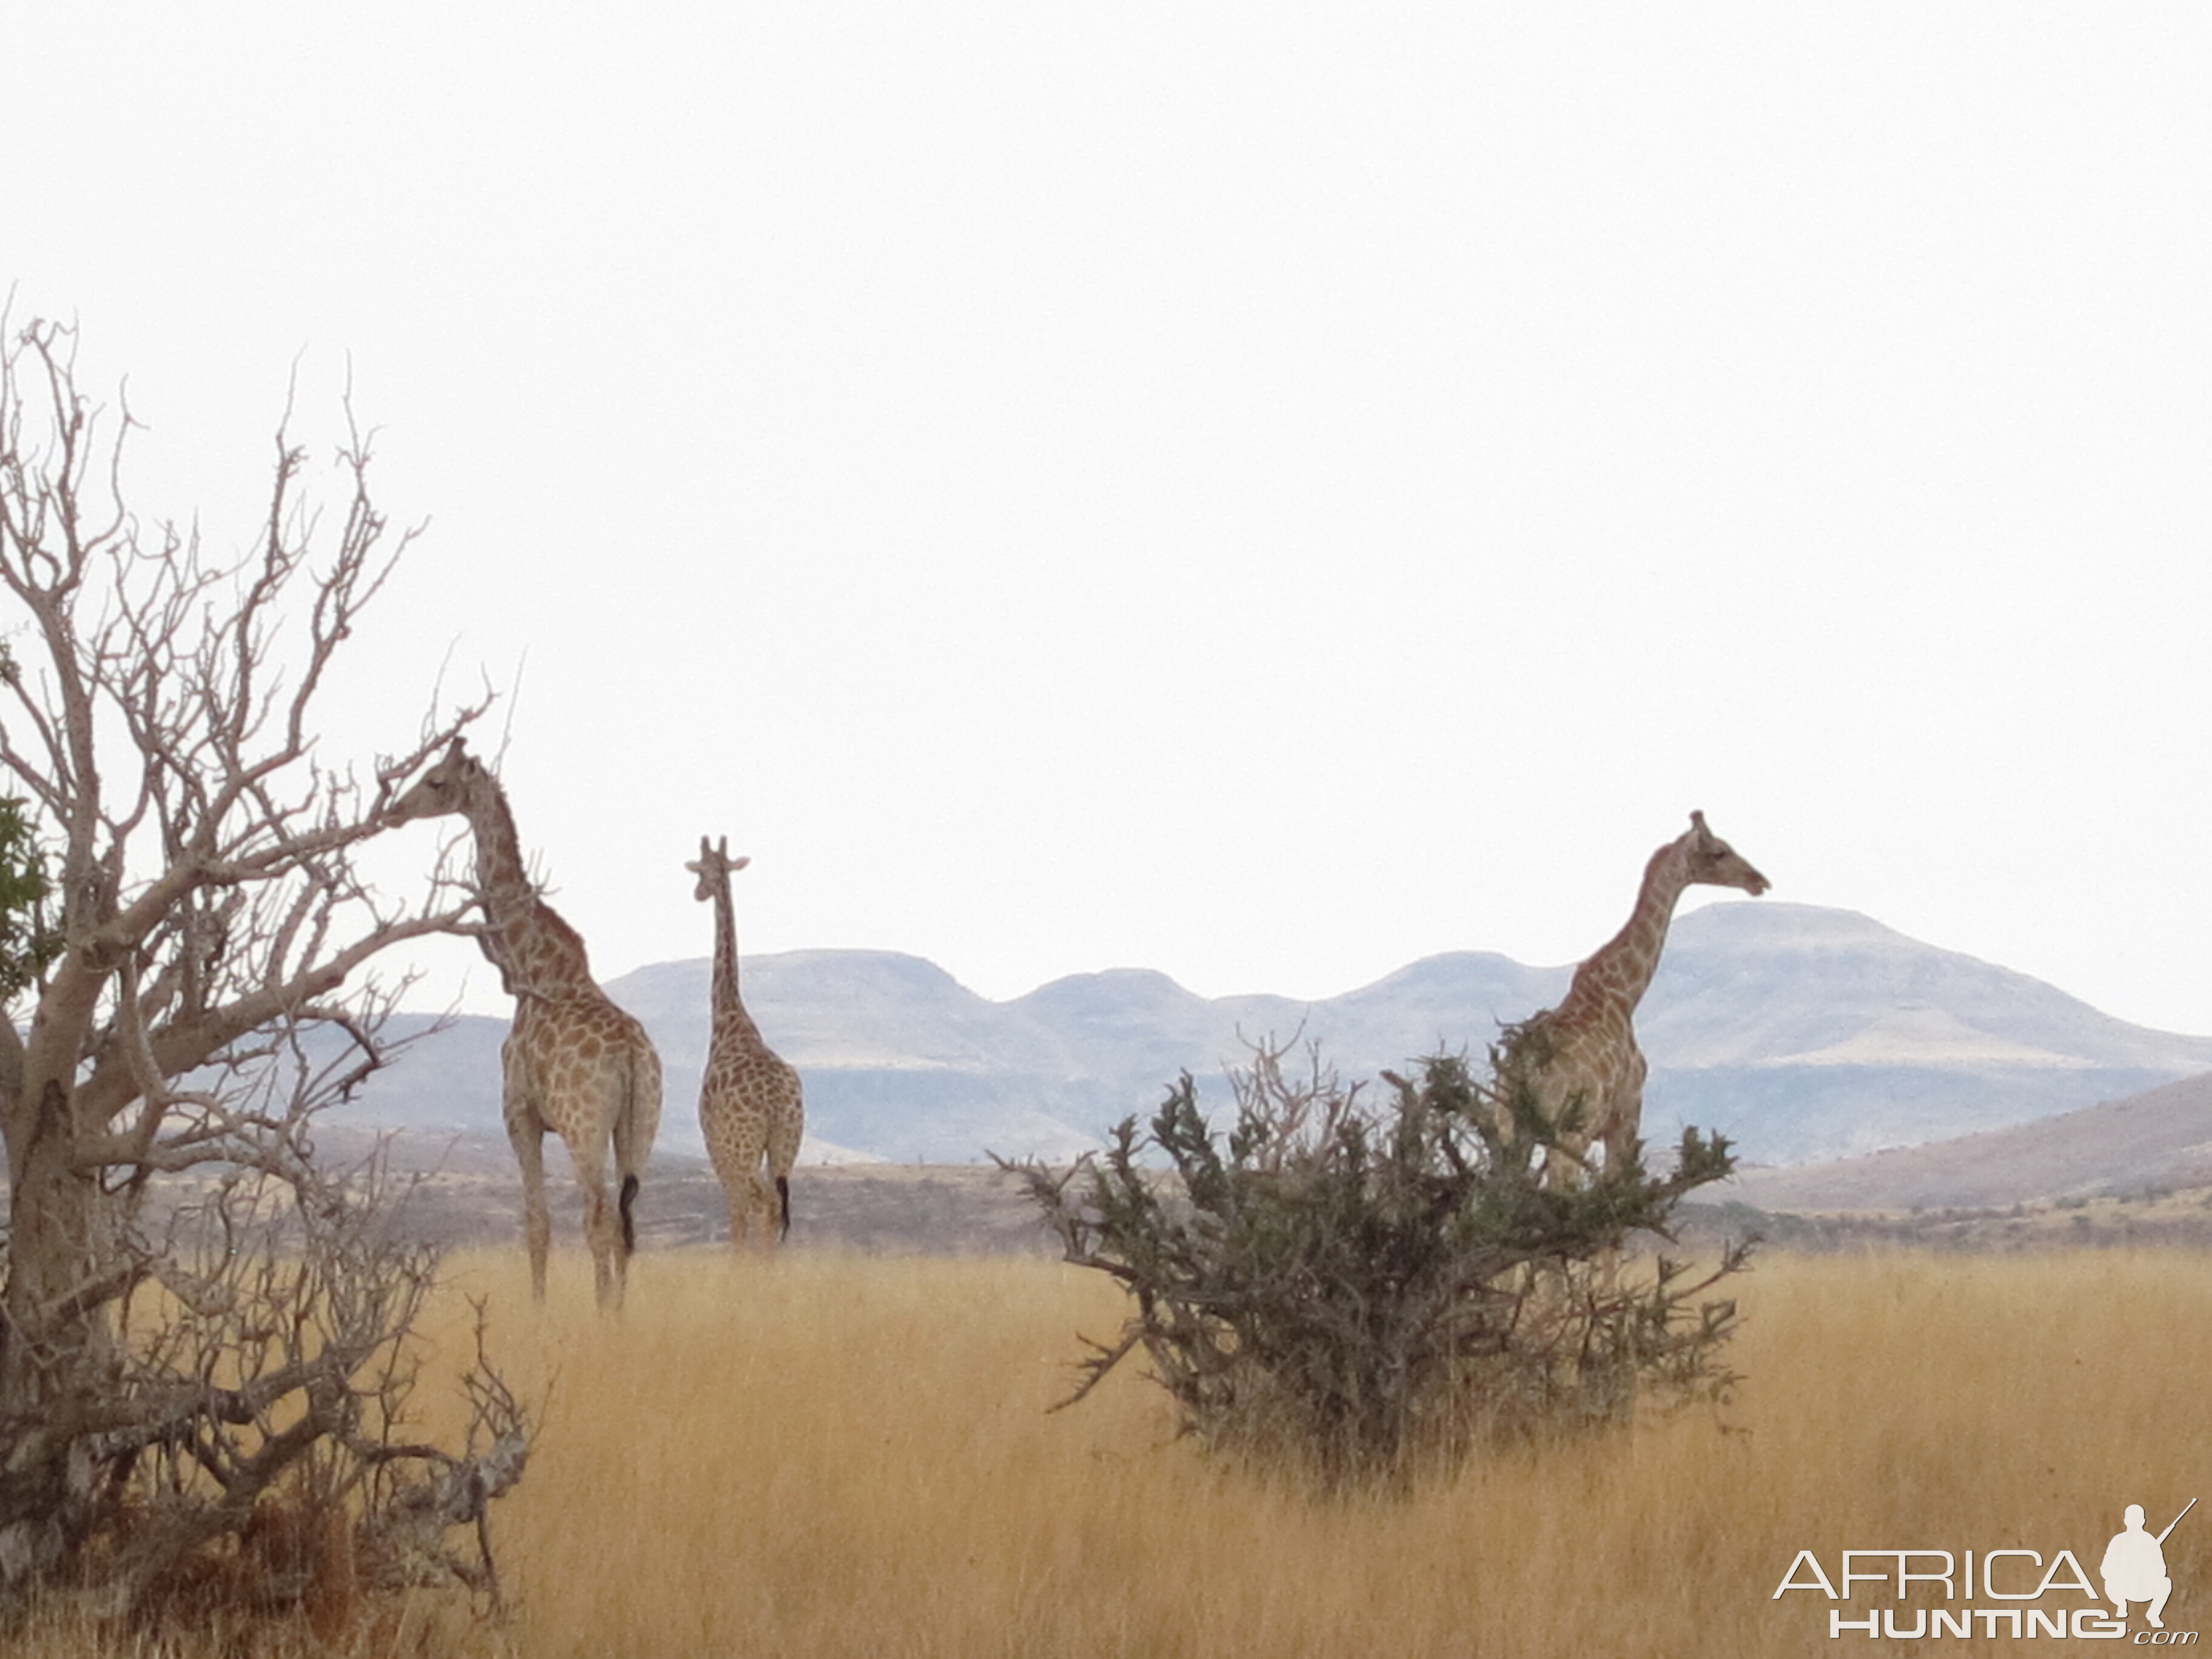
(1802, 1033)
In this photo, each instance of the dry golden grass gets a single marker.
(836, 1456)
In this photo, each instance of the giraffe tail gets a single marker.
(635, 1122)
(783, 1198)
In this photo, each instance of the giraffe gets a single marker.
(1584, 1052)
(573, 1062)
(751, 1107)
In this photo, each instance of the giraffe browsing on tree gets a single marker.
(1581, 1057)
(750, 1107)
(573, 1062)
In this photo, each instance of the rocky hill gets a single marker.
(2146, 1145)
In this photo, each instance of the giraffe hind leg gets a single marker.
(737, 1192)
(760, 1209)
(602, 1229)
(529, 1145)
(742, 1196)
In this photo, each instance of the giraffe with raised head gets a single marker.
(750, 1107)
(573, 1062)
(1582, 1053)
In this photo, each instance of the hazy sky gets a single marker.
(1263, 492)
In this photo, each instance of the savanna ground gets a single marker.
(840, 1455)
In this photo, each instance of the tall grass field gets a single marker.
(847, 1456)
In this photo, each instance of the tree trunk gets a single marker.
(55, 1347)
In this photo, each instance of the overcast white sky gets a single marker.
(1266, 493)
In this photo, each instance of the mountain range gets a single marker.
(1802, 1033)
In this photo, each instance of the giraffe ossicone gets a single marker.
(751, 1109)
(572, 1061)
(1579, 1061)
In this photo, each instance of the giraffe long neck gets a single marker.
(1621, 971)
(536, 951)
(729, 1007)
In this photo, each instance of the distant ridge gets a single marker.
(2152, 1142)
(1802, 1033)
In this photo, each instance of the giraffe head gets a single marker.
(446, 787)
(1714, 863)
(713, 868)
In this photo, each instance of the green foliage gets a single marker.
(1366, 1293)
(27, 944)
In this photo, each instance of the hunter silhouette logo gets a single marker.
(2134, 1568)
(2022, 1593)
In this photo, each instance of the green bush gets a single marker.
(1365, 1293)
(27, 940)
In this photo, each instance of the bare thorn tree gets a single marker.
(190, 992)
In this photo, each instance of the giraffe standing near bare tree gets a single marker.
(574, 1062)
(751, 1110)
(1582, 1055)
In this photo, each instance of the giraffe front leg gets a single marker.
(1619, 1139)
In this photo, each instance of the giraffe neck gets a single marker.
(536, 951)
(729, 1008)
(1618, 973)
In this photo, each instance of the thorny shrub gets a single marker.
(1365, 1293)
